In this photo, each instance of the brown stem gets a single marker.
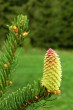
(31, 101)
(36, 99)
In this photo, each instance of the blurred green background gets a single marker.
(50, 22)
(51, 25)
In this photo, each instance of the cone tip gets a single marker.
(50, 51)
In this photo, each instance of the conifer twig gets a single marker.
(17, 32)
(25, 97)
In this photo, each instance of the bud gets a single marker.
(5, 66)
(25, 33)
(9, 83)
(15, 29)
(52, 72)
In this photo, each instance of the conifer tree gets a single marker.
(43, 89)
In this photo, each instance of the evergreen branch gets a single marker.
(50, 83)
(25, 97)
(17, 32)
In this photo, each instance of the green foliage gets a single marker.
(7, 61)
(53, 20)
(23, 98)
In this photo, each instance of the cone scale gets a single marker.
(52, 72)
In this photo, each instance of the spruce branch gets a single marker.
(31, 94)
(17, 32)
(25, 97)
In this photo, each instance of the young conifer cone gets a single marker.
(52, 72)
